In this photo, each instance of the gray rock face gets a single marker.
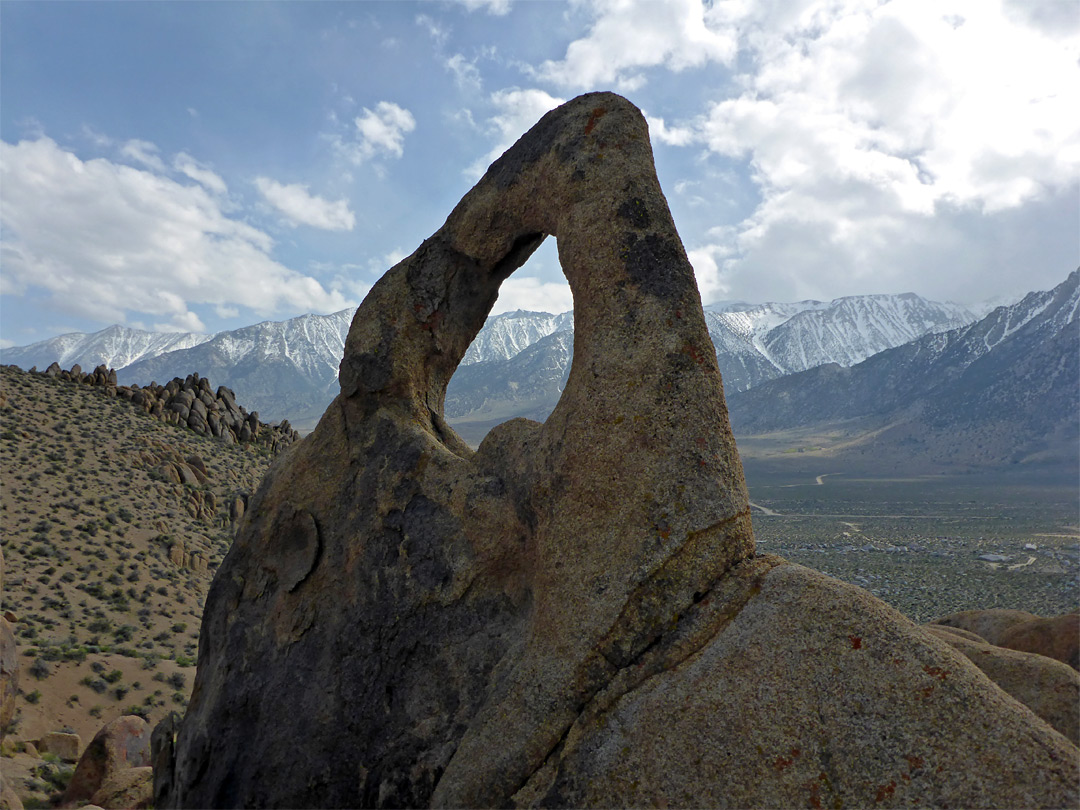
(572, 615)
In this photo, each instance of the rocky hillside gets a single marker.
(113, 525)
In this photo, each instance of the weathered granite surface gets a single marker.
(572, 615)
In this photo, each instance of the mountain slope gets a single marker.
(108, 556)
(753, 344)
(506, 335)
(1006, 385)
(282, 369)
(288, 369)
(114, 347)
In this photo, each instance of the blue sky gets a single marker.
(202, 166)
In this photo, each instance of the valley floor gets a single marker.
(927, 545)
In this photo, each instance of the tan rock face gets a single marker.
(403, 622)
(989, 625)
(1057, 638)
(131, 789)
(1049, 688)
(62, 744)
(121, 745)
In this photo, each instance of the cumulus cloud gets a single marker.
(206, 177)
(103, 240)
(301, 207)
(516, 110)
(659, 131)
(466, 74)
(868, 125)
(142, 152)
(379, 132)
(627, 36)
(498, 8)
(529, 292)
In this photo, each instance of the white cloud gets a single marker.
(516, 112)
(672, 136)
(528, 292)
(380, 132)
(6, 344)
(104, 239)
(435, 31)
(868, 126)
(466, 74)
(627, 35)
(303, 208)
(142, 152)
(498, 8)
(187, 165)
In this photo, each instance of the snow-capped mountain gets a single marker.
(115, 347)
(1004, 386)
(848, 330)
(506, 335)
(282, 369)
(754, 343)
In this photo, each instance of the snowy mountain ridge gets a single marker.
(288, 369)
(115, 347)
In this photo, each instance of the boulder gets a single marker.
(938, 629)
(130, 789)
(9, 799)
(1049, 688)
(63, 744)
(573, 615)
(987, 624)
(120, 745)
(1057, 638)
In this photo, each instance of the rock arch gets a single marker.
(403, 622)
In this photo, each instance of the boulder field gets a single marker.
(573, 615)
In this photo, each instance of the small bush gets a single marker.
(33, 697)
(40, 669)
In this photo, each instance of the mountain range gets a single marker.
(900, 365)
(516, 365)
(1005, 389)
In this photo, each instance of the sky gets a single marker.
(198, 166)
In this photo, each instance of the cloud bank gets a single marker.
(104, 239)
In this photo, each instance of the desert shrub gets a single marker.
(40, 669)
(114, 676)
(120, 691)
(96, 684)
(177, 680)
(33, 697)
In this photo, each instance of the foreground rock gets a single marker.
(573, 615)
(1049, 688)
(1057, 637)
(989, 625)
(121, 746)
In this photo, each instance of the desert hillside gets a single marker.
(113, 523)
